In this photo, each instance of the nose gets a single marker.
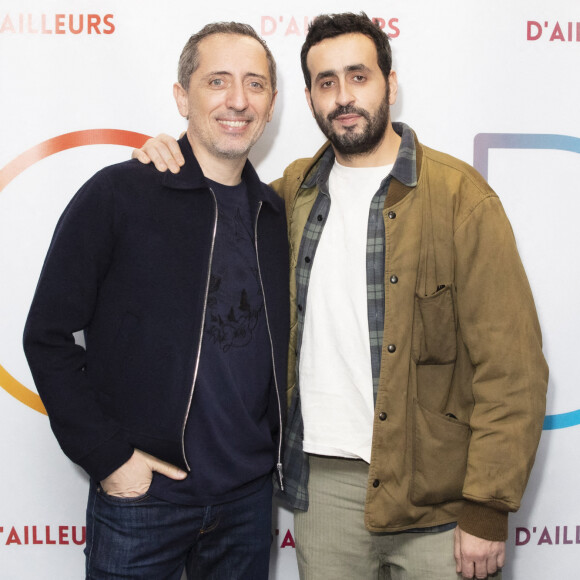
(344, 95)
(237, 97)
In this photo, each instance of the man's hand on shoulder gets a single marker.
(134, 477)
(163, 150)
(476, 557)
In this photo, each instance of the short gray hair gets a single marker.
(189, 59)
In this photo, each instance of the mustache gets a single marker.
(348, 110)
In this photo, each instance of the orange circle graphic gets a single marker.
(23, 162)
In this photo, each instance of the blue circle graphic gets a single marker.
(562, 420)
(483, 142)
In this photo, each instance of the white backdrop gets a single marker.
(493, 83)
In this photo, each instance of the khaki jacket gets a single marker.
(463, 380)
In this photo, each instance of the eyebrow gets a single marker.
(350, 68)
(357, 67)
(247, 75)
(257, 76)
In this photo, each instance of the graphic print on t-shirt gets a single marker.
(234, 299)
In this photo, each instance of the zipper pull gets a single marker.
(280, 476)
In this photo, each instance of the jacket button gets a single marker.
(394, 279)
(376, 483)
(300, 307)
(319, 218)
(307, 260)
(391, 348)
(382, 415)
(392, 215)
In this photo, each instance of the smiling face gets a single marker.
(229, 99)
(349, 96)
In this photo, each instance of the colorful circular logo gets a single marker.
(23, 162)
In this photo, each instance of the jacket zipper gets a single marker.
(202, 326)
(279, 462)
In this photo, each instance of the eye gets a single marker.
(216, 82)
(257, 85)
(359, 78)
(326, 84)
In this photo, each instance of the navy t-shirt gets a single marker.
(233, 419)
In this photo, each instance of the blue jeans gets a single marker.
(147, 538)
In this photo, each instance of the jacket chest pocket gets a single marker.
(434, 329)
(434, 347)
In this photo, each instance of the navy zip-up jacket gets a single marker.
(129, 264)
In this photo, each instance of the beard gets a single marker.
(352, 142)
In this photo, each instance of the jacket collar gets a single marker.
(405, 168)
(191, 177)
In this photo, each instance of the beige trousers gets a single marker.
(332, 542)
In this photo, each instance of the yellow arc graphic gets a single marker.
(20, 392)
(15, 168)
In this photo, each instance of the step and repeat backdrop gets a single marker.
(83, 82)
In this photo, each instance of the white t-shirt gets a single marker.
(336, 384)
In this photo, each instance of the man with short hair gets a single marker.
(451, 349)
(175, 408)
(417, 381)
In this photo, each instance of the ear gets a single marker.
(393, 87)
(309, 99)
(180, 95)
(271, 111)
